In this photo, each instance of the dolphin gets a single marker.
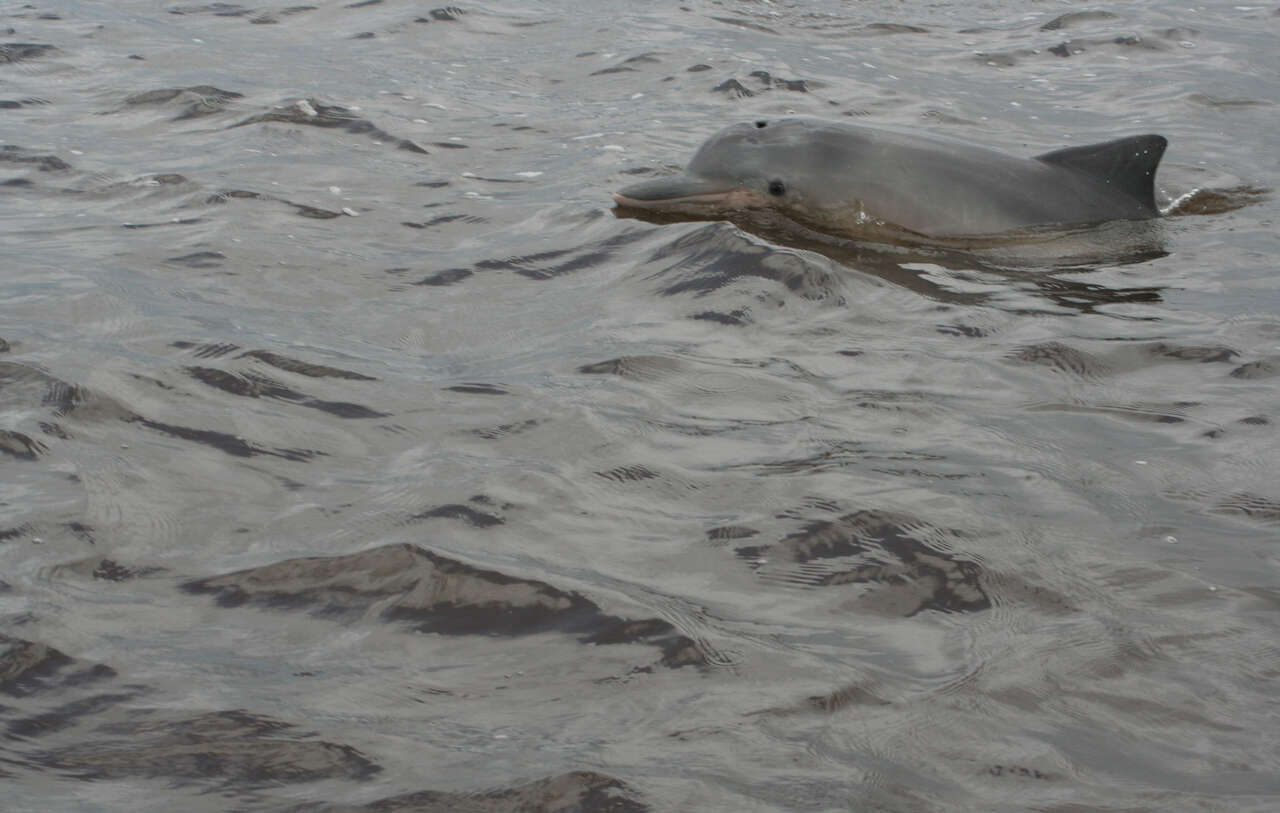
(848, 176)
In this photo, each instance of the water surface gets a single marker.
(356, 455)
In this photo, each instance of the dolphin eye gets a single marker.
(762, 124)
(777, 188)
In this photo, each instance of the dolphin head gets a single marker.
(780, 163)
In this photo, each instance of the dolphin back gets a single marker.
(1127, 165)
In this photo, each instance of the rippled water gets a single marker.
(355, 454)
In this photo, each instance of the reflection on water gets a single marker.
(432, 593)
(878, 548)
(1024, 261)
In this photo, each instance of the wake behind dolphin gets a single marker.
(844, 176)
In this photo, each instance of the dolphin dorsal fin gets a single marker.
(1126, 164)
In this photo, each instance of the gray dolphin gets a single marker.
(849, 176)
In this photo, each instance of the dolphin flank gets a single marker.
(846, 175)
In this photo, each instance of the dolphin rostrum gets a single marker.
(846, 175)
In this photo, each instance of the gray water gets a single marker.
(355, 454)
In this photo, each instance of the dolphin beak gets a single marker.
(682, 190)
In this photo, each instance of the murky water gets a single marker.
(355, 454)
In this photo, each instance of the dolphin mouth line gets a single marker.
(689, 193)
(733, 198)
